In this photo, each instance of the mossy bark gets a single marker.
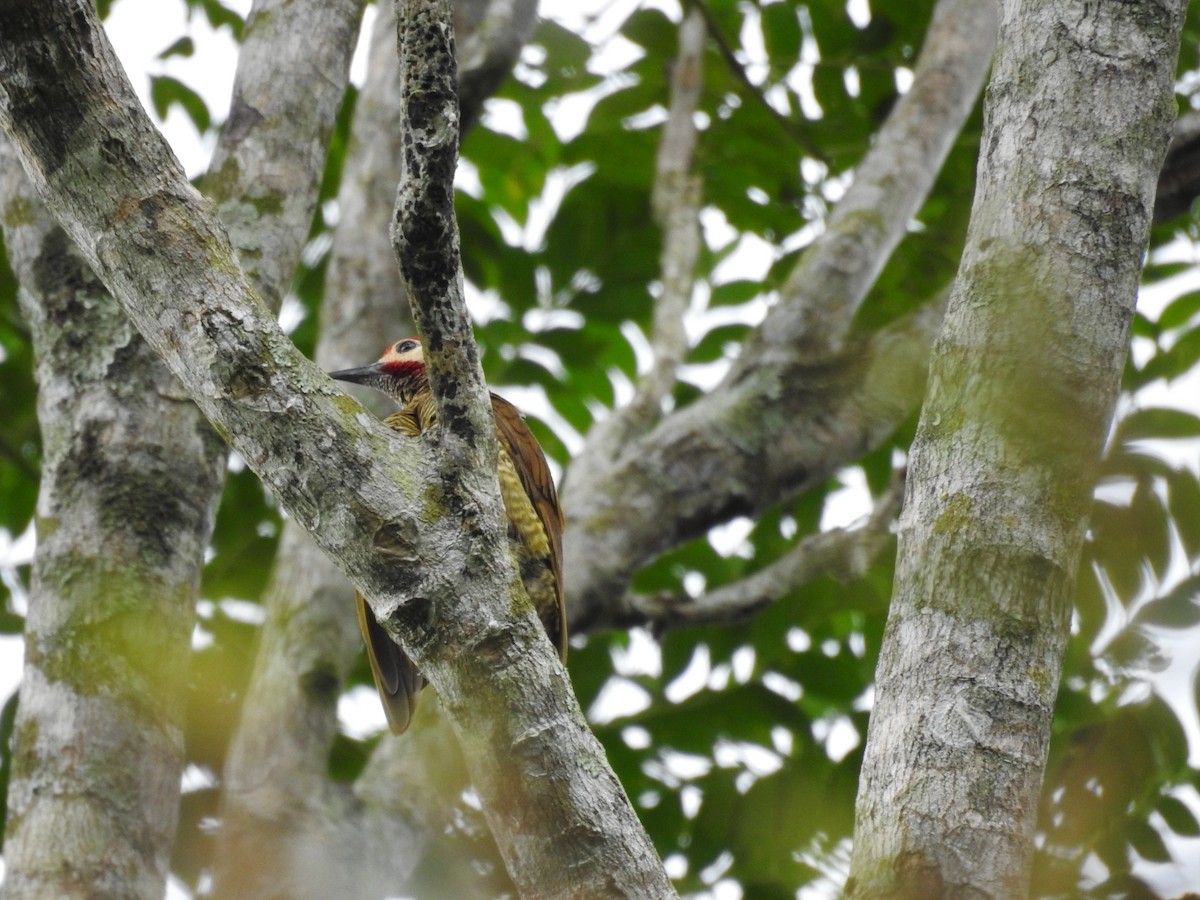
(130, 473)
(1023, 384)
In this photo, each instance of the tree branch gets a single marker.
(738, 451)
(408, 788)
(291, 79)
(767, 430)
(823, 292)
(844, 554)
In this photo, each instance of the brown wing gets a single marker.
(396, 678)
(530, 463)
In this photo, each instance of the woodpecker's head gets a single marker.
(399, 373)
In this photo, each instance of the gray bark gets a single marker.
(291, 79)
(122, 529)
(739, 451)
(133, 468)
(1023, 383)
(839, 553)
(160, 251)
(771, 429)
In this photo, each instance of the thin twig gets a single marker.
(794, 131)
(841, 553)
(676, 203)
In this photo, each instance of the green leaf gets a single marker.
(166, 91)
(1170, 364)
(781, 34)
(8, 718)
(218, 14)
(1143, 327)
(1159, 422)
(1178, 816)
(1151, 527)
(1178, 609)
(1148, 842)
(1183, 499)
(184, 47)
(1180, 311)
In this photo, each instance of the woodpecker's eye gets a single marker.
(406, 345)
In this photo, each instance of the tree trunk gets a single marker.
(130, 476)
(111, 413)
(1023, 384)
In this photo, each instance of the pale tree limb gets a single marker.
(767, 432)
(739, 452)
(568, 828)
(292, 74)
(844, 554)
(832, 278)
(676, 203)
(1023, 384)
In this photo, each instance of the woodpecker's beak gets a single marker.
(361, 375)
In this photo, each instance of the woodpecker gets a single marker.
(535, 519)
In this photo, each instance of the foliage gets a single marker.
(741, 745)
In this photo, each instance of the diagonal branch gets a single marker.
(768, 429)
(490, 40)
(841, 553)
(832, 278)
(739, 451)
